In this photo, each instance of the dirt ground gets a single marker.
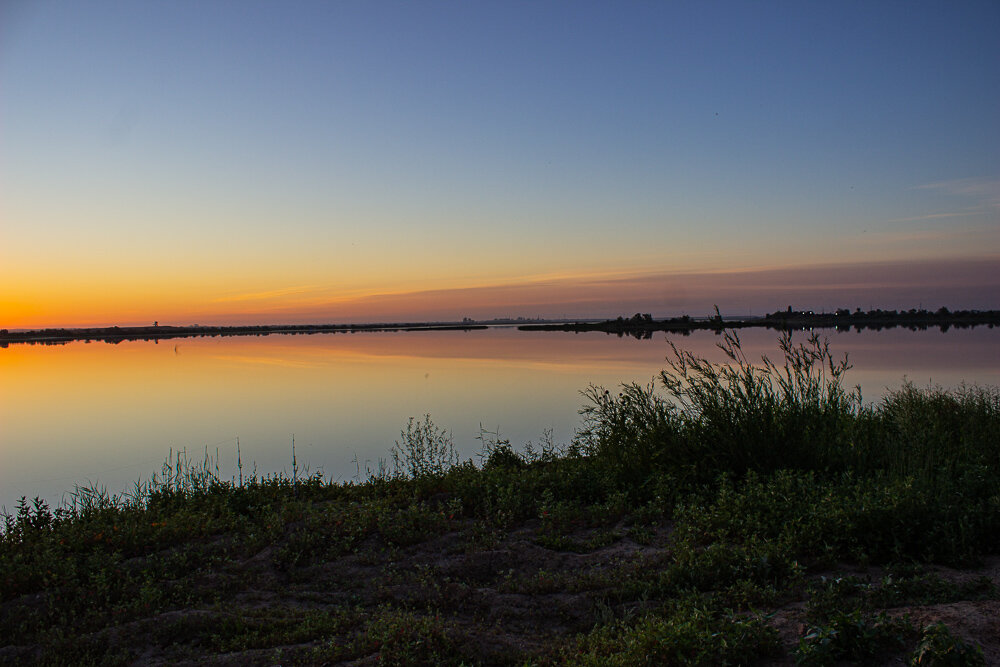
(506, 597)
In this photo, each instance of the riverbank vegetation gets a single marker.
(729, 514)
(642, 325)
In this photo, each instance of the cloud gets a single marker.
(957, 283)
(917, 235)
(266, 295)
(985, 191)
(935, 216)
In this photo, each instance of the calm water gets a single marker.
(110, 413)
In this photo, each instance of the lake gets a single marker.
(110, 414)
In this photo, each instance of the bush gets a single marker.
(733, 417)
(938, 647)
(425, 450)
(691, 635)
(855, 637)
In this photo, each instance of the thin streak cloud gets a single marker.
(985, 190)
(266, 295)
(919, 235)
(935, 216)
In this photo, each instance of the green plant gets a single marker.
(692, 634)
(629, 432)
(733, 417)
(938, 647)
(402, 638)
(852, 636)
(424, 451)
(741, 416)
(496, 451)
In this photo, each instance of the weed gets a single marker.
(692, 634)
(402, 638)
(425, 450)
(852, 636)
(939, 647)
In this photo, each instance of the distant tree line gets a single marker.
(642, 325)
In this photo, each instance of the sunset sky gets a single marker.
(227, 162)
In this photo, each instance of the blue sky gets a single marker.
(339, 151)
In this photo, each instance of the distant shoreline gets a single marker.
(639, 326)
(120, 334)
(643, 325)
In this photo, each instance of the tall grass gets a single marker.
(179, 475)
(742, 416)
(738, 416)
(912, 476)
(732, 417)
(935, 434)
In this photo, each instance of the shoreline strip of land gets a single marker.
(639, 325)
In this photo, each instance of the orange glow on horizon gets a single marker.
(603, 293)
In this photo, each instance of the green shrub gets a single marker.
(691, 635)
(425, 450)
(939, 648)
(733, 417)
(852, 636)
(933, 434)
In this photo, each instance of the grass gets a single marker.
(730, 514)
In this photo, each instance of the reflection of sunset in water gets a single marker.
(111, 413)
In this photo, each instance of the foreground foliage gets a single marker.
(735, 514)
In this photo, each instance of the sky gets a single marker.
(265, 162)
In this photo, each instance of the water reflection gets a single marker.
(80, 412)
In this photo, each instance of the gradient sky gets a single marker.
(223, 162)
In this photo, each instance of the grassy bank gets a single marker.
(729, 514)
